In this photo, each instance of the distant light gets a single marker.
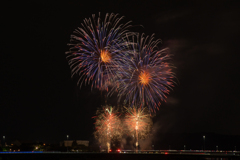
(24, 152)
(118, 150)
(3, 137)
(166, 153)
(110, 150)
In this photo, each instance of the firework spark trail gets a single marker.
(148, 76)
(138, 122)
(108, 125)
(92, 55)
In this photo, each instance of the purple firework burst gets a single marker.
(96, 49)
(148, 74)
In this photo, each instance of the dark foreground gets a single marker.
(116, 156)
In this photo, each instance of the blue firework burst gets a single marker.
(96, 49)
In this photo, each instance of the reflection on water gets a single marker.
(218, 158)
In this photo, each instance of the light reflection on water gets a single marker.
(217, 158)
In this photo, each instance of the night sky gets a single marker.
(40, 101)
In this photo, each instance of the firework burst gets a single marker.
(93, 54)
(148, 75)
(138, 122)
(108, 125)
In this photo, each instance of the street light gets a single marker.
(204, 142)
(4, 140)
(67, 142)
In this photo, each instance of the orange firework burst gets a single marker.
(107, 125)
(138, 122)
(144, 78)
(105, 56)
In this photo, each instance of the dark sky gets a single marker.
(40, 101)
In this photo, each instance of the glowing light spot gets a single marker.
(105, 56)
(144, 78)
